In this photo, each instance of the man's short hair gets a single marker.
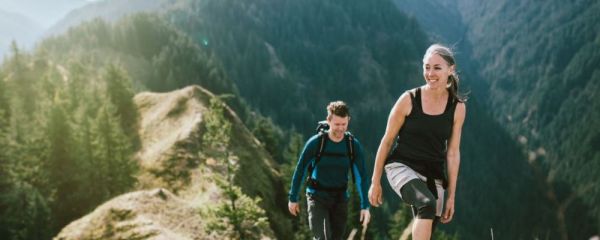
(338, 108)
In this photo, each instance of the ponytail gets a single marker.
(453, 88)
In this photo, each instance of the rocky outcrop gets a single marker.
(176, 180)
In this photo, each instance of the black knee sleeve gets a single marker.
(426, 208)
(416, 193)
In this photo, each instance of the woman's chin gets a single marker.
(433, 85)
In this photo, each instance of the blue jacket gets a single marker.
(331, 171)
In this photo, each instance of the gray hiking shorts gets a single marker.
(399, 174)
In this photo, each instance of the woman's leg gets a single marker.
(416, 193)
(422, 229)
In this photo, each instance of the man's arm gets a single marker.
(360, 174)
(300, 171)
(362, 183)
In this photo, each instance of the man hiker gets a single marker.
(326, 159)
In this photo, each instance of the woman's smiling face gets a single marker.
(436, 71)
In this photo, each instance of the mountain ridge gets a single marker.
(192, 184)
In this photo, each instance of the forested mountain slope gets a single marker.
(534, 67)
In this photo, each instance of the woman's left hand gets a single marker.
(448, 211)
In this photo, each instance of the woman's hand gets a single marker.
(375, 197)
(448, 211)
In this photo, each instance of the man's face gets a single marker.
(338, 125)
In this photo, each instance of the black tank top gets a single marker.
(422, 140)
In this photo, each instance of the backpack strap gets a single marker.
(350, 147)
(318, 155)
(349, 138)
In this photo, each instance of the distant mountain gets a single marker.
(157, 56)
(290, 58)
(107, 10)
(428, 12)
(286, 58)
(26, 20)
(17, 27)
(45, 13)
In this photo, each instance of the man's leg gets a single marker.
(317, 215)
(338, 217)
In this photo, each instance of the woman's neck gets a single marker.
(437, 93)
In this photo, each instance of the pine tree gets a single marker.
(5, 181)
(27, 215)
(62, 167)
(120, 93)
(353, 220)
(4, 103)
(23, 82)
(269, 135)
(76, 88)
(112, 154)
(400, 222)
(290, 156)
(90, 197)
(24, 209)
(240, 217)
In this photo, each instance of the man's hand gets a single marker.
(365, 217)
(294, 208)
(375, 197)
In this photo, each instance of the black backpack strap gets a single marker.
(350, 147)
(349, 138)
(318, 155)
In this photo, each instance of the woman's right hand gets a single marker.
(375, 197)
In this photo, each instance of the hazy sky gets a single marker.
(44, 12)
